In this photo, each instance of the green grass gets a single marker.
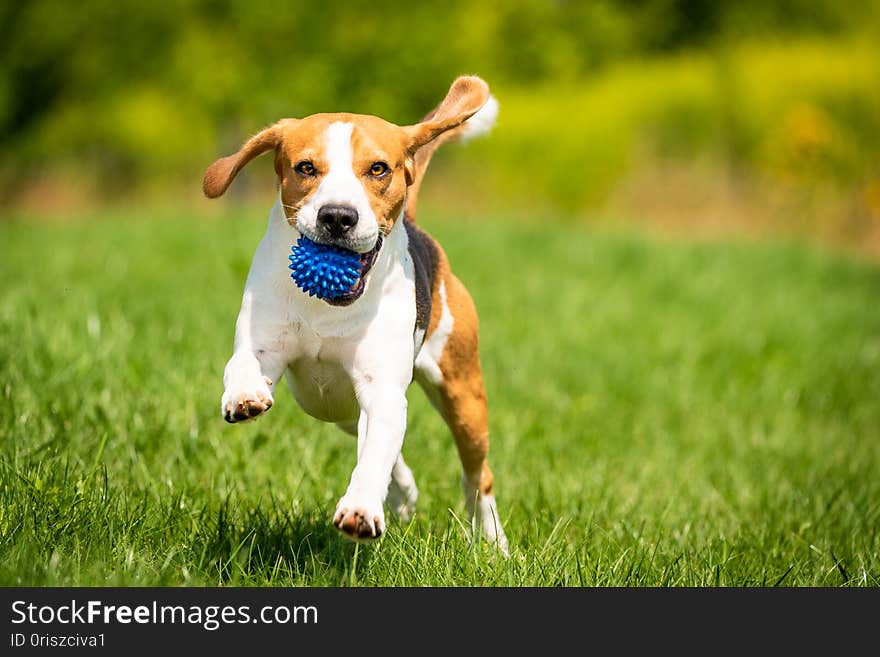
(662, 414)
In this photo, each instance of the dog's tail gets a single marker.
(479, 124)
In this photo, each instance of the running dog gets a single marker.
(352, 180)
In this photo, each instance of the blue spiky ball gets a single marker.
(322, 270)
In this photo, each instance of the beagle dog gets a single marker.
(351, 180)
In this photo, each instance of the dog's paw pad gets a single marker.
(246, 405)
(359, 524)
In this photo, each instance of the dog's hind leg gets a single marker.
(448, 369)
(402, 491)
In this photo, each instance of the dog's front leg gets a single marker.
(255, 366)
(382, 424)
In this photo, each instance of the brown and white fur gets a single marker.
(352, 180)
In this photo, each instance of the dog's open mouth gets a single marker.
(351, 295)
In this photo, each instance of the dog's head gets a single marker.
(344, 177)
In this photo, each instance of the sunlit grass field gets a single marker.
(661, 414)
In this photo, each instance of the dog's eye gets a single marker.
(378, 169)
(306, 168)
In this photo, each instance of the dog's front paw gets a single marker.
(359, 520)
(247, 402)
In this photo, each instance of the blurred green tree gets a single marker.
(135, 92)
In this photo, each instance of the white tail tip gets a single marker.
(481, 122)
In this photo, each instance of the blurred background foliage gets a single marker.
(689, 114)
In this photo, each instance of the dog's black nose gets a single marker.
(337, 220)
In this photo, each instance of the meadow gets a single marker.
(662, 414)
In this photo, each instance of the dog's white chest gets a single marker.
(323, 389)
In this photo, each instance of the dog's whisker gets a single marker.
(293, 210)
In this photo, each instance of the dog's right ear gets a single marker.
(220, 174)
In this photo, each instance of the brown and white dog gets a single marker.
(351, 180)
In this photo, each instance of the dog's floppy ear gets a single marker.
(466, 96)
(220, 174)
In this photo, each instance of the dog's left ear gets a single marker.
(466, 96)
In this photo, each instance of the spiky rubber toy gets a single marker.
(322, 270)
